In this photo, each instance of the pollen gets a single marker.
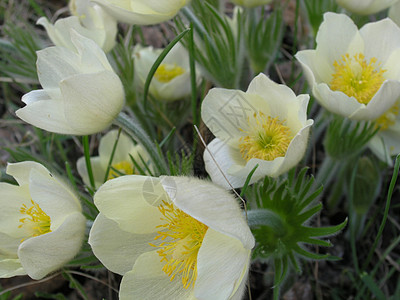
(266, 139)
(181, 238)
(388, 118)
(166, 72)
(36, 222)
(122, 167)
(358, 78)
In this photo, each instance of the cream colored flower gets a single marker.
(173, 238)
(172, 79)
(89, 20)
(386, 143)
(122, 162)
(41, 224)
(365, 7)
(141, 12)
(266, 126)
(81, 93)
(251, 3)
(354, 73)
(394, 13)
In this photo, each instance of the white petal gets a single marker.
(383, 100)
(115, 248)
(222, 262)
(147, 281)
(97, 169)
(132, 202)
(392, 70)
(337, 36)
(211, 205)
(8, 246)
(35, 96)
(225, 157)
(10, 268)
(387, 33)
(124, 147)
(53, 197)
(92, 101)
(21, 171)
(46, 253)
(394, 13)
(47, 115)
(11, 200)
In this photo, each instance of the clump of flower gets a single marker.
(125, 154)
(354, 73)
(266, 126)
(81, 93)
(142, 12)
(41, 222)
(172, 78)
(89, 20)
(172, 238)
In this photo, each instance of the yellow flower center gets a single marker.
(388, 118)
(36, 222)
(122, 167)
(185, 236)
(267, 138)
(356, 77)
(166, 72)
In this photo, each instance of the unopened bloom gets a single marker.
(365, 7)
(172, 79)
(251, 3)
(41, 224)
(141, 12)
(122, 162)
(81, 93)
(266, 126)
(89, 20)
(354, 73)
(386, 143)
(172, 238)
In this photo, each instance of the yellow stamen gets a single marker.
(183, 236)
(356, 77)
(36, 222)
(124, 167)
(388, 118)
(166, 72)
(266, 139)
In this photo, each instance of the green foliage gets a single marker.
(218, 43)
(315, 10)
(278, 213)
(346, 138)
(264, 34)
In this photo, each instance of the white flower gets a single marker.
(89, 20)
(394, 13)
(41, 224)
(354, 73)
(172, 79)
(174, 238)
(365, 7)
(251, 3)
(267, 125)
(386, 143)
(141, 12)
(121, 160)
(81, 93)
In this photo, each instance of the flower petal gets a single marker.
(209, 204)
(46, 253)
(124, 147)
(132, 202)
(53, 197)
(97, 169)
(147, 281)
(10, 268)
(221, 259)
(92, 101)
(21, 171)
(117, 249)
